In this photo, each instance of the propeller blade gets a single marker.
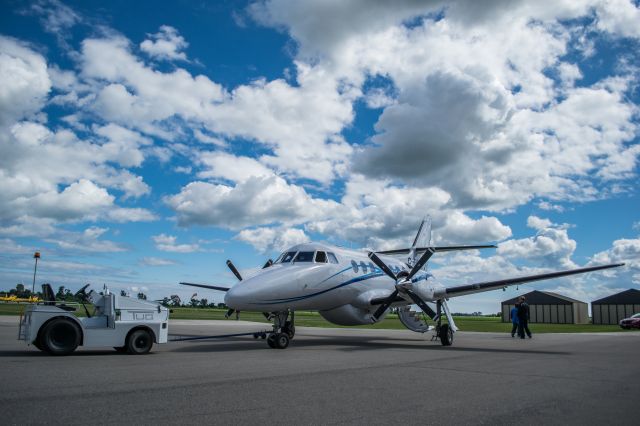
(234, 270)
(269, 263)
(212, 287)
(418, 301)
(385, 305)
(420, 263)
(229, 313)
(380, 264)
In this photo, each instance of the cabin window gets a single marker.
(304, 256)
(332, 258)
(354, 265)
(286, 257)
(321, 257)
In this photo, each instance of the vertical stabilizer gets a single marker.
(422, 239)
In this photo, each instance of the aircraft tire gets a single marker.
(446, 335)
(282, 340)
(59, 336)
(139, 342)
(271, 341)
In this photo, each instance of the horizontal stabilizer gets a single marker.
(435, 249)
(211, 287)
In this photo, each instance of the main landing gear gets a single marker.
(444, 331)
(283, 330)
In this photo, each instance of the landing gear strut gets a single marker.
(283, 330)
(444, 331)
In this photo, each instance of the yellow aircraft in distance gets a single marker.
(16, 299)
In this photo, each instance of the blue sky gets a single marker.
(144, 144)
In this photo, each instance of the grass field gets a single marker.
(313, 319)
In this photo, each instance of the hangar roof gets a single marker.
(537, 297)
(627, 297)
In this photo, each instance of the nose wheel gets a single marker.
(278, 341)
(283, 330)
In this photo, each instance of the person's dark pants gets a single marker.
(523, 327)
(514, 328)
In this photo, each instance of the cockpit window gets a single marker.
(332, 258)
(286, 257)
(321, 257)
(304, 256)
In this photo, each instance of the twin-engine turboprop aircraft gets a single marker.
(350, 287)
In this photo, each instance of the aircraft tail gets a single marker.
(422, 243)
(423, 238)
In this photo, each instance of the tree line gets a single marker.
(65, 295)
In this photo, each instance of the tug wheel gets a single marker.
(139, 342)
(59, 337)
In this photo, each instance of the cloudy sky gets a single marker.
(144, 143)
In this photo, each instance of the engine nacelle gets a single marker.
(347, 315)
(424, 289)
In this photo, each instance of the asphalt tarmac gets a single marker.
(328, 376)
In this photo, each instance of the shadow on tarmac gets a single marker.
(349, 344)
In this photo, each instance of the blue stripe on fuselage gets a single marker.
(298, 298)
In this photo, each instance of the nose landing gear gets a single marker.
(283, 330)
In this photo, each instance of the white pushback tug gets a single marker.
(126, 324)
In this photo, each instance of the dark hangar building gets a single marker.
(550, 308)
(611, 309)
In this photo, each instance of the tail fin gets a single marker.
(422, 243)
(422, 239)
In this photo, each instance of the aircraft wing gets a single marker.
(211, 287)
(435, 249)
(492, 285)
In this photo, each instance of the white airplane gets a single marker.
(352, 287)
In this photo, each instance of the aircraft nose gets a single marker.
(235, 296)
(254, 292)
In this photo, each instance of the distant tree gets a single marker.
(175, 300)
(194, 303)
(203, 303)
(60, 293)
(123, 293)
(142, 296)
(19, 288)
(222, 305)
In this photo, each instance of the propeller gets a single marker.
(400, 279)
(425, 308)
(234, 270)
(239, 277)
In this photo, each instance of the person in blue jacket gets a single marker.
(514, 319)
